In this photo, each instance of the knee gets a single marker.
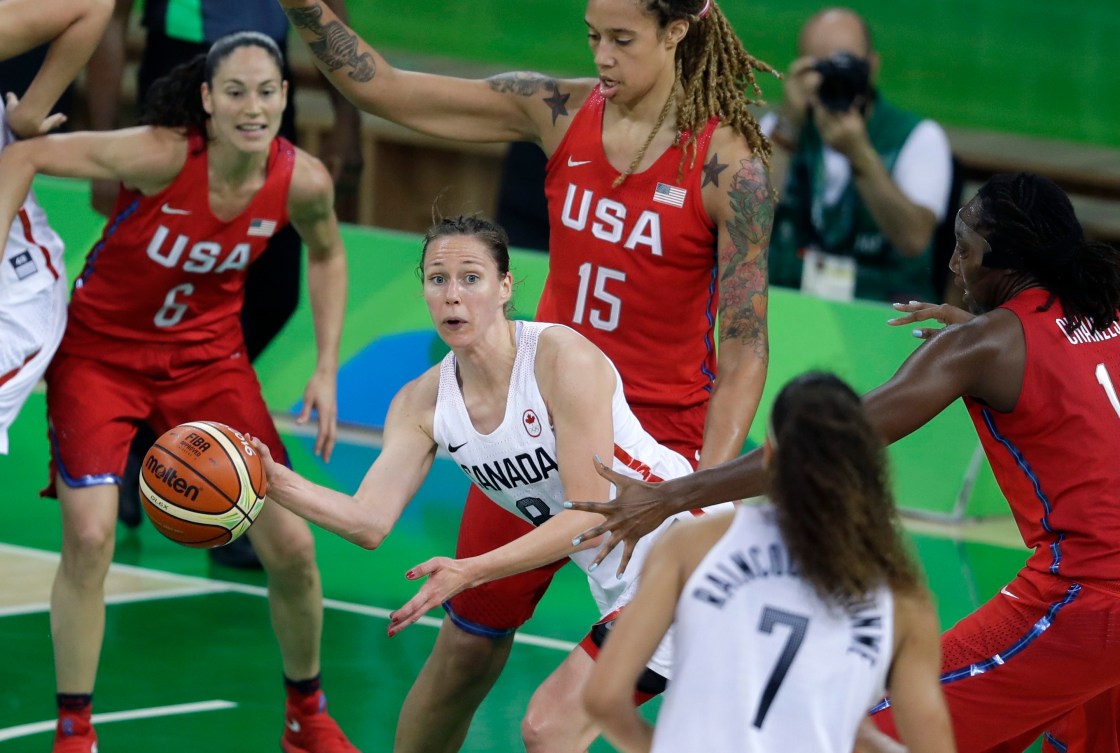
(87, 548)
(541, 730)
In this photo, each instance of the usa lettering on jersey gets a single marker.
(609, 220)
(202, 258)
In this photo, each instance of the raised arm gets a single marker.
(406, 457)
(509, 107)
(145, 158)
(311, 208)
(738, 197)
(75, 27)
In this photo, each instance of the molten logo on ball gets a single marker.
(171, 479)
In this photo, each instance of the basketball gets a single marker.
(202, 484)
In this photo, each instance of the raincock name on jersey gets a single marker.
(741, 568)
(509, 473)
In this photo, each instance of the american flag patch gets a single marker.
(666, 194)
(262, 228)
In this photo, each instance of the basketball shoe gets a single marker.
(308, 728)
(74, 734)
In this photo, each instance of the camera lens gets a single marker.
(844, 78)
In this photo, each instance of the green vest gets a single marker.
(802, 220)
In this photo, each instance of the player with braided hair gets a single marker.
(656, 182)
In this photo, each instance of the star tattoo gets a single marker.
(556, 103)
(712, 169)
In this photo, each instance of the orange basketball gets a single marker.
(202, 484)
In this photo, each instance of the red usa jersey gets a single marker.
(1056, 456)
(167, 270)
(634, 268)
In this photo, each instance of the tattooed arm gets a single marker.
(738, 198)
(509, 107)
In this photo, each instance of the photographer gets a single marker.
(863, 183)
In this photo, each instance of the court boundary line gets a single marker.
(210, 586)
(35, 728)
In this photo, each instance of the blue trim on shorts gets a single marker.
(999, 659)
(1039, 628)
(1055, 547)
(475, 628)
(83, 482)
(1058, 744)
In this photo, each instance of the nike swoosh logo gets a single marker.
(168, 209)
(293, 725)
(577, 163)
(455, 447)
(1005, 592)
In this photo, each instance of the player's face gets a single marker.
(630, 50)
(246, 99)
(966, 262)
(465, 292)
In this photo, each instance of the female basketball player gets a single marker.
(154, 336)
(32, 276)
(656, 182)
(790, 615)
(522, 407)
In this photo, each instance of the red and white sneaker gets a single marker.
(74, 734)
(308, 728)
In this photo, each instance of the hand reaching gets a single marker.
(446, 577)
(637, 509)
(917, 311)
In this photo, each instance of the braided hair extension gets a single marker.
(716, 72)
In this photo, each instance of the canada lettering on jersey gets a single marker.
(203, 256)
(741, 568)
(609, 223)
(509, 473)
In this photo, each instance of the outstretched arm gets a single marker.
(145, 158)
(75, 27)
(406, 456)
(512, 107)
(983, 358)
(311, 207)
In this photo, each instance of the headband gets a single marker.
(704, 11)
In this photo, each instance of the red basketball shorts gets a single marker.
(1041, 658)
(498, 608)
(95, 404)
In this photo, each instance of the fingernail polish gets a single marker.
(576, 541)
(593, 566)
(568, 505)
(916, 333)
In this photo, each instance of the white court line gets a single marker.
(198, 586)
(34, 728)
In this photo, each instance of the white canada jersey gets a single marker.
(761, 664)
(32, 259)
(516, 467)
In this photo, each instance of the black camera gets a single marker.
(844, 79)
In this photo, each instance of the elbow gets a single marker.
(369, 536)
